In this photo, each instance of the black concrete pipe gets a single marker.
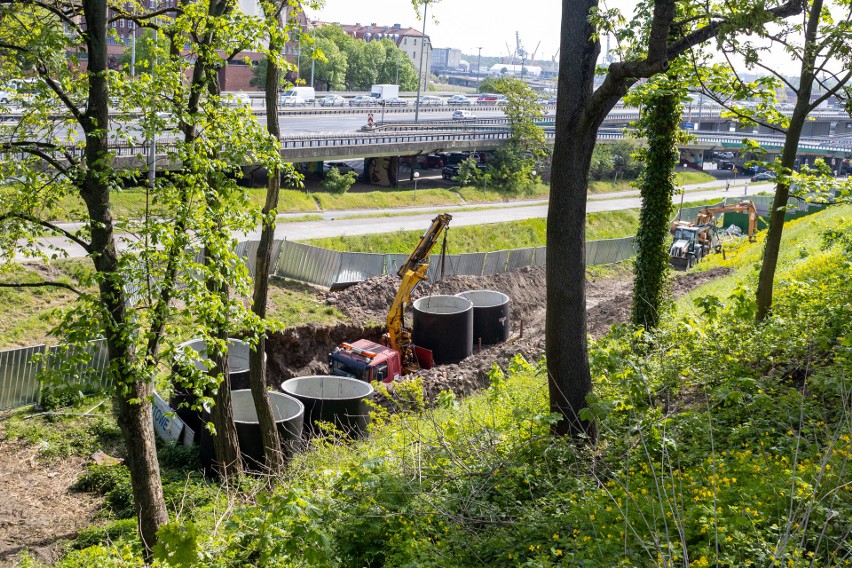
(444, 325)
(490, 316)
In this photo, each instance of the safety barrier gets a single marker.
(21, 370)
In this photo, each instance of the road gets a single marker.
(362, 222)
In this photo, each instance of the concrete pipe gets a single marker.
(328, 398)
(490, 316)
(288, 414)
(444, 325)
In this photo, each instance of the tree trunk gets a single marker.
(657, 188)
(225, 444)
(565, 334)
(273, 456)
(134, 418)
(772, 246)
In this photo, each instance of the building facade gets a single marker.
(446, 58)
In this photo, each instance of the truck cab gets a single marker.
(365, 360)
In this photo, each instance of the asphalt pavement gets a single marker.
(372, 221)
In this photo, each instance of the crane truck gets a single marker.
(693, 241)
(396, 355)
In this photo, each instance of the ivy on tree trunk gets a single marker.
(660, 125)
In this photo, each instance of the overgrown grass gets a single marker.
(293, 303)
(28, 314)
(386, 199)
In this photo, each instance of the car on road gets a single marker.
(291, 101)
(362, 100)
(462, 114)
(491, 99)
(450, 171)
(429, 100)
(332, 101)
(238, 100)
(459, 100)
(395, 101)
(763, 176)
(724, 165)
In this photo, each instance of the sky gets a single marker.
(468, 24)
(461, 24)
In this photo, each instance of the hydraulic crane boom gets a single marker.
(412, 272)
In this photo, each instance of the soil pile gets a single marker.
(303, 350)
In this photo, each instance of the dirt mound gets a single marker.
(369, 300)
(303, 350)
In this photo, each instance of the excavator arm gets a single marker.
(709, 214)
(412, 272)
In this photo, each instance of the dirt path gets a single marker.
(37, 509)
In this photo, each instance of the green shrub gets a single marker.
(335, 182)
(111, 481)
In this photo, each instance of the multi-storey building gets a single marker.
(411, 41)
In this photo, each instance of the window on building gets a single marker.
(121, 23)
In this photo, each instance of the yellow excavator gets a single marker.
(370, 361)
(694, 241)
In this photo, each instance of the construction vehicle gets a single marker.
(386, 362)
(694, 241)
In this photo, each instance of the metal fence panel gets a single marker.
(541, 256)
(393, 262)
(469, 264)
(357, 266)
(518, 258)
(307, 263)
(495, 262)
(18, 384)
(19, 373)
(608, 251)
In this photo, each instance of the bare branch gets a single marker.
(47, 224)
(41, 285)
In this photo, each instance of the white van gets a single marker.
(298, 96)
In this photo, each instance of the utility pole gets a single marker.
(313, 59)
(478, 66)
(420, 74)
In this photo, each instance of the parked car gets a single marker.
(723, 165)
(362, 100)
(5, 96)
(763, 176)
(333, 101)
(459, 100)
(462, 114)
(450, 171)
(342, 167)
(395, 101)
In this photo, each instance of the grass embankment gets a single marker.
(683, 178)
(733, 449)
(28, 314)
(497, 236)
(133, 203)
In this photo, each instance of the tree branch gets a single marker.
(47, 224)
(39, 149)
(40, 285)
(67, 17)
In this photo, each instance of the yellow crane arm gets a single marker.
(412, 272)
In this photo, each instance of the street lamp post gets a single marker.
(416, 175)
(420, 73)
(478, 65)
(313, 59)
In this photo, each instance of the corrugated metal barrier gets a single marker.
(20, 370)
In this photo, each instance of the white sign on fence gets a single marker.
(167, 424)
